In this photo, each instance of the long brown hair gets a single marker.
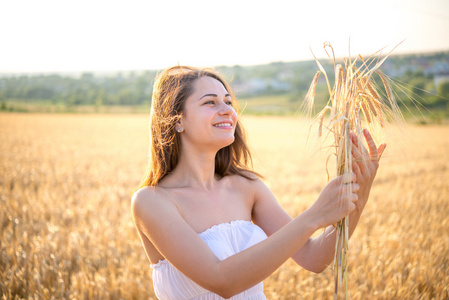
(171, 90)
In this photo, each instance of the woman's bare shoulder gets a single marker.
(248, 182)
(148, 200)
(144, 195)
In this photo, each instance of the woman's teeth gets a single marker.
(223, 125)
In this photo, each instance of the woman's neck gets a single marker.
(195, 169)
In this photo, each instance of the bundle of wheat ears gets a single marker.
(354, 94)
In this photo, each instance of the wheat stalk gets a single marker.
(353, 95)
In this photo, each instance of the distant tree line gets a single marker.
(87, 89)
(413, 76)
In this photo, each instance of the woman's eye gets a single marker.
(229, 103)
(209, 102)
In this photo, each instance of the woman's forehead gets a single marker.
(208, 84)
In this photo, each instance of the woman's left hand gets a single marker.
(365, 167)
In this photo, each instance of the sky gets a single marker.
(48, 36)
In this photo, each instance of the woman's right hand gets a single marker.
(335, 201)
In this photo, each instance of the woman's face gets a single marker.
(208, 119)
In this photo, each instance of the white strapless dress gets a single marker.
(224, 240)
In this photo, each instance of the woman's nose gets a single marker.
(225, 109)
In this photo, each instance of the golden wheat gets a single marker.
(66, 231)
(353, 91)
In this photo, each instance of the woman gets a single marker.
(210, 227)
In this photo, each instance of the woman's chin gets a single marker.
(227, 142)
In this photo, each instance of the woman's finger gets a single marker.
(356, 169)
(355, 187)
(359, 145)
(381, 150)
(358, 156)
(372, 146)
(347, 178)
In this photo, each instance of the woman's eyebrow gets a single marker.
(213, 95)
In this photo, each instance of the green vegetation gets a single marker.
(67, 93)
(421, 83)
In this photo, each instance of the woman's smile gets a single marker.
(224, 125)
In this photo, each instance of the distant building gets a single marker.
(439, 78)
(251, 86)
(255, 86)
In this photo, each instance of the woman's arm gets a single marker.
(318, 253)
(163, 225)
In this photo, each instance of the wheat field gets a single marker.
(66, 232)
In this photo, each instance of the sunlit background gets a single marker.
(74, 36)
(73, 145)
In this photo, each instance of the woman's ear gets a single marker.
(178, 126)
